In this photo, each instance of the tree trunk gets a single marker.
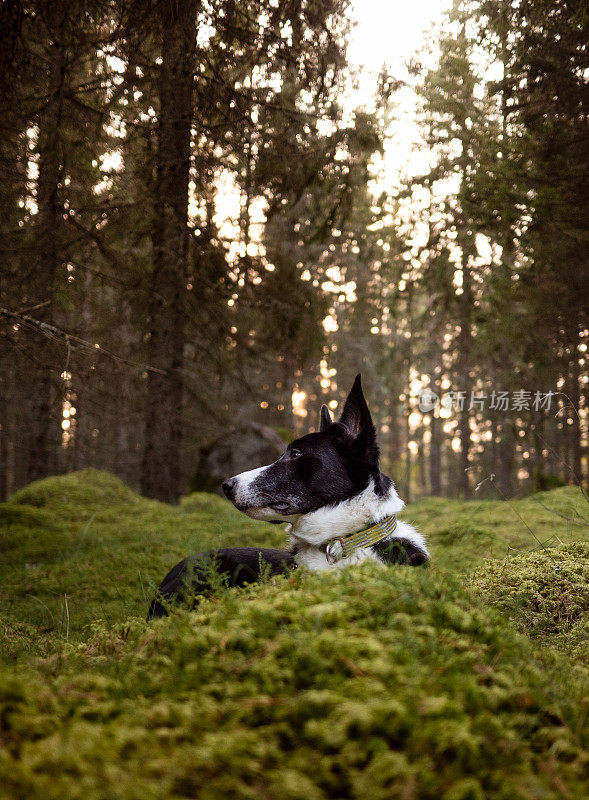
(435, 454)
(395, 425)
(538, 465)
(3, 436)
(464, 481)
(409, 356)
(573, 413)
(506, 477)
(421, 463)
(435, 425)
(129, 403)
(161, 460)
(43, 419)
(464, 349)
(407, 491)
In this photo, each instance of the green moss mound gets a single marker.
(83, 546)
(464, 530)
(365, 683)
(546, 593)
(462, 534)
(90, 487)
(14, 517)
(462, 680)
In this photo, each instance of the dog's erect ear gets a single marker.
(355, 416)
(326, 419)
(357, 423)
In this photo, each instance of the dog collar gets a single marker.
(343, 546)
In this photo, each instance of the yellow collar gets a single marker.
(342, 546)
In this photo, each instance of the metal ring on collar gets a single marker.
(334, 551)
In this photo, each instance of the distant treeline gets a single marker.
(133, 328)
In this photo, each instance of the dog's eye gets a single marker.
(295, 453)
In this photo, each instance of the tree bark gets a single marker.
(538, 465)
(43, 419)
(507, 457)
(574, 380)
(395, 425)
(161, 460)
(3, 438)
(435, 426)
(435, 454)
(409, 355)
(421, 463)
(464, 354)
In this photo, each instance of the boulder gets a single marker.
(244, 447)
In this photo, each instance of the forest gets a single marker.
(136, 325)
(209, 222)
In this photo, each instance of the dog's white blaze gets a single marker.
(249, 498)
(243, 490)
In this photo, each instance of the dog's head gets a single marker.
(317, 470)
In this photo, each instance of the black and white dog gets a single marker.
(328, 485)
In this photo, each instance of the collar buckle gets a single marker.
(343, 546)
(334, 551)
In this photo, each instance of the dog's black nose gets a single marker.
(228, 487)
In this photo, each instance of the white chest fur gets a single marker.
(314, 558)
(310, 532)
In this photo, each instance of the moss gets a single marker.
(85, 488)
(546, 593)
(83, 546)
(251, 696)
(369, 682)
(461, 530)
(460, 534)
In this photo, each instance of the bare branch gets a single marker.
(72, 341)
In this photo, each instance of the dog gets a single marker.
(340, 507)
